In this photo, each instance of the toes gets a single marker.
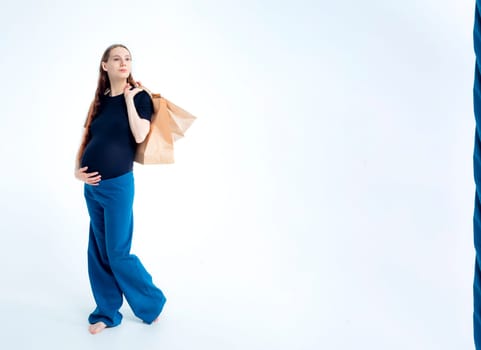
(97, 327)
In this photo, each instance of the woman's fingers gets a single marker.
(92, 182)
(94, 178)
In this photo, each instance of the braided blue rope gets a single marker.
(477, 178)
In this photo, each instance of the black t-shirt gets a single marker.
(111, 146)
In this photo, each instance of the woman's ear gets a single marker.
(103, 67)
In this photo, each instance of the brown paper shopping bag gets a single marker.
(169, 123)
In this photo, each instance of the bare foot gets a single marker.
(97, 327)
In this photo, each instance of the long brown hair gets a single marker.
(103, 87)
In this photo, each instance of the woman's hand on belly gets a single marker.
(89, 178)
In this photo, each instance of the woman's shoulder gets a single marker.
(143, 101)
(142, 95)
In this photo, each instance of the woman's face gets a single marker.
(119, 64)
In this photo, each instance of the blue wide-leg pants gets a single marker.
(113, 271)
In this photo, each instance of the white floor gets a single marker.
(262, 282)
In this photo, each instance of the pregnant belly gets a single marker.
(106, 156)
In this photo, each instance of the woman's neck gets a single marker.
(117, 87)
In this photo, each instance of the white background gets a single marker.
(323, 198)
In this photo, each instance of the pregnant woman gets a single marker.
(118, 119)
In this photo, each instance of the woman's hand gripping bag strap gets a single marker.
(169, 123)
